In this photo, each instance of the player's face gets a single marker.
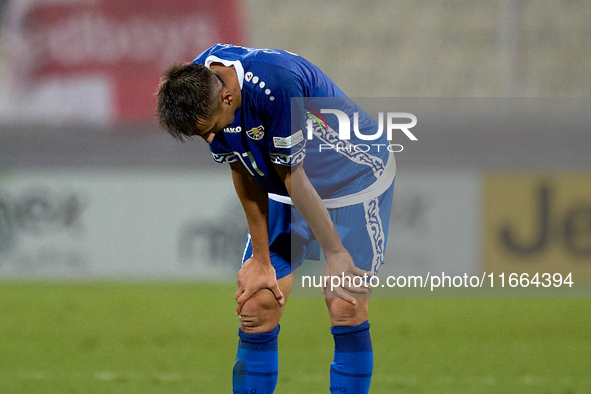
(223, 117)
(208, 128)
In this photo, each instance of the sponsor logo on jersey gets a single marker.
(256, 133)
(288, 142)
(233, 130)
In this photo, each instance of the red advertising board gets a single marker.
(127, 43)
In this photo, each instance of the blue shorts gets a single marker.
(363, 229)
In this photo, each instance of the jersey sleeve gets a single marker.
(285, 142)
(221, 151)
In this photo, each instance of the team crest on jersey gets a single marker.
(256, 133)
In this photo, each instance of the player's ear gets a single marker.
(226, 96)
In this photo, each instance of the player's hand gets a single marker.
(256, 275)
(339, 265)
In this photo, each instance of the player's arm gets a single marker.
(310, 206)
(257, 272)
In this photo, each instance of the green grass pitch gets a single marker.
(181, 338)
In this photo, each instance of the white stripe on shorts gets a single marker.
(375, 230)
(248, 239)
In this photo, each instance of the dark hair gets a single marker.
(186, 96)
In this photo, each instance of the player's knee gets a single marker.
(260, 313)
(343, 313)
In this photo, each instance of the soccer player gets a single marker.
(300, 187)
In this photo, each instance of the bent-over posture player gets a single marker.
(297, 193)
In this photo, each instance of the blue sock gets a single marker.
(257, 363)
(351, 369)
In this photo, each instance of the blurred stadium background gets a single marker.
(119, 246)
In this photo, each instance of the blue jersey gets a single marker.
(270, 129)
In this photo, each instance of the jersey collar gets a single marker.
(236, 63)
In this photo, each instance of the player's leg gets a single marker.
(343, 313)
(352, 365)
(261, 312)
(257, 362)
(257, 365)
(365, 233)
